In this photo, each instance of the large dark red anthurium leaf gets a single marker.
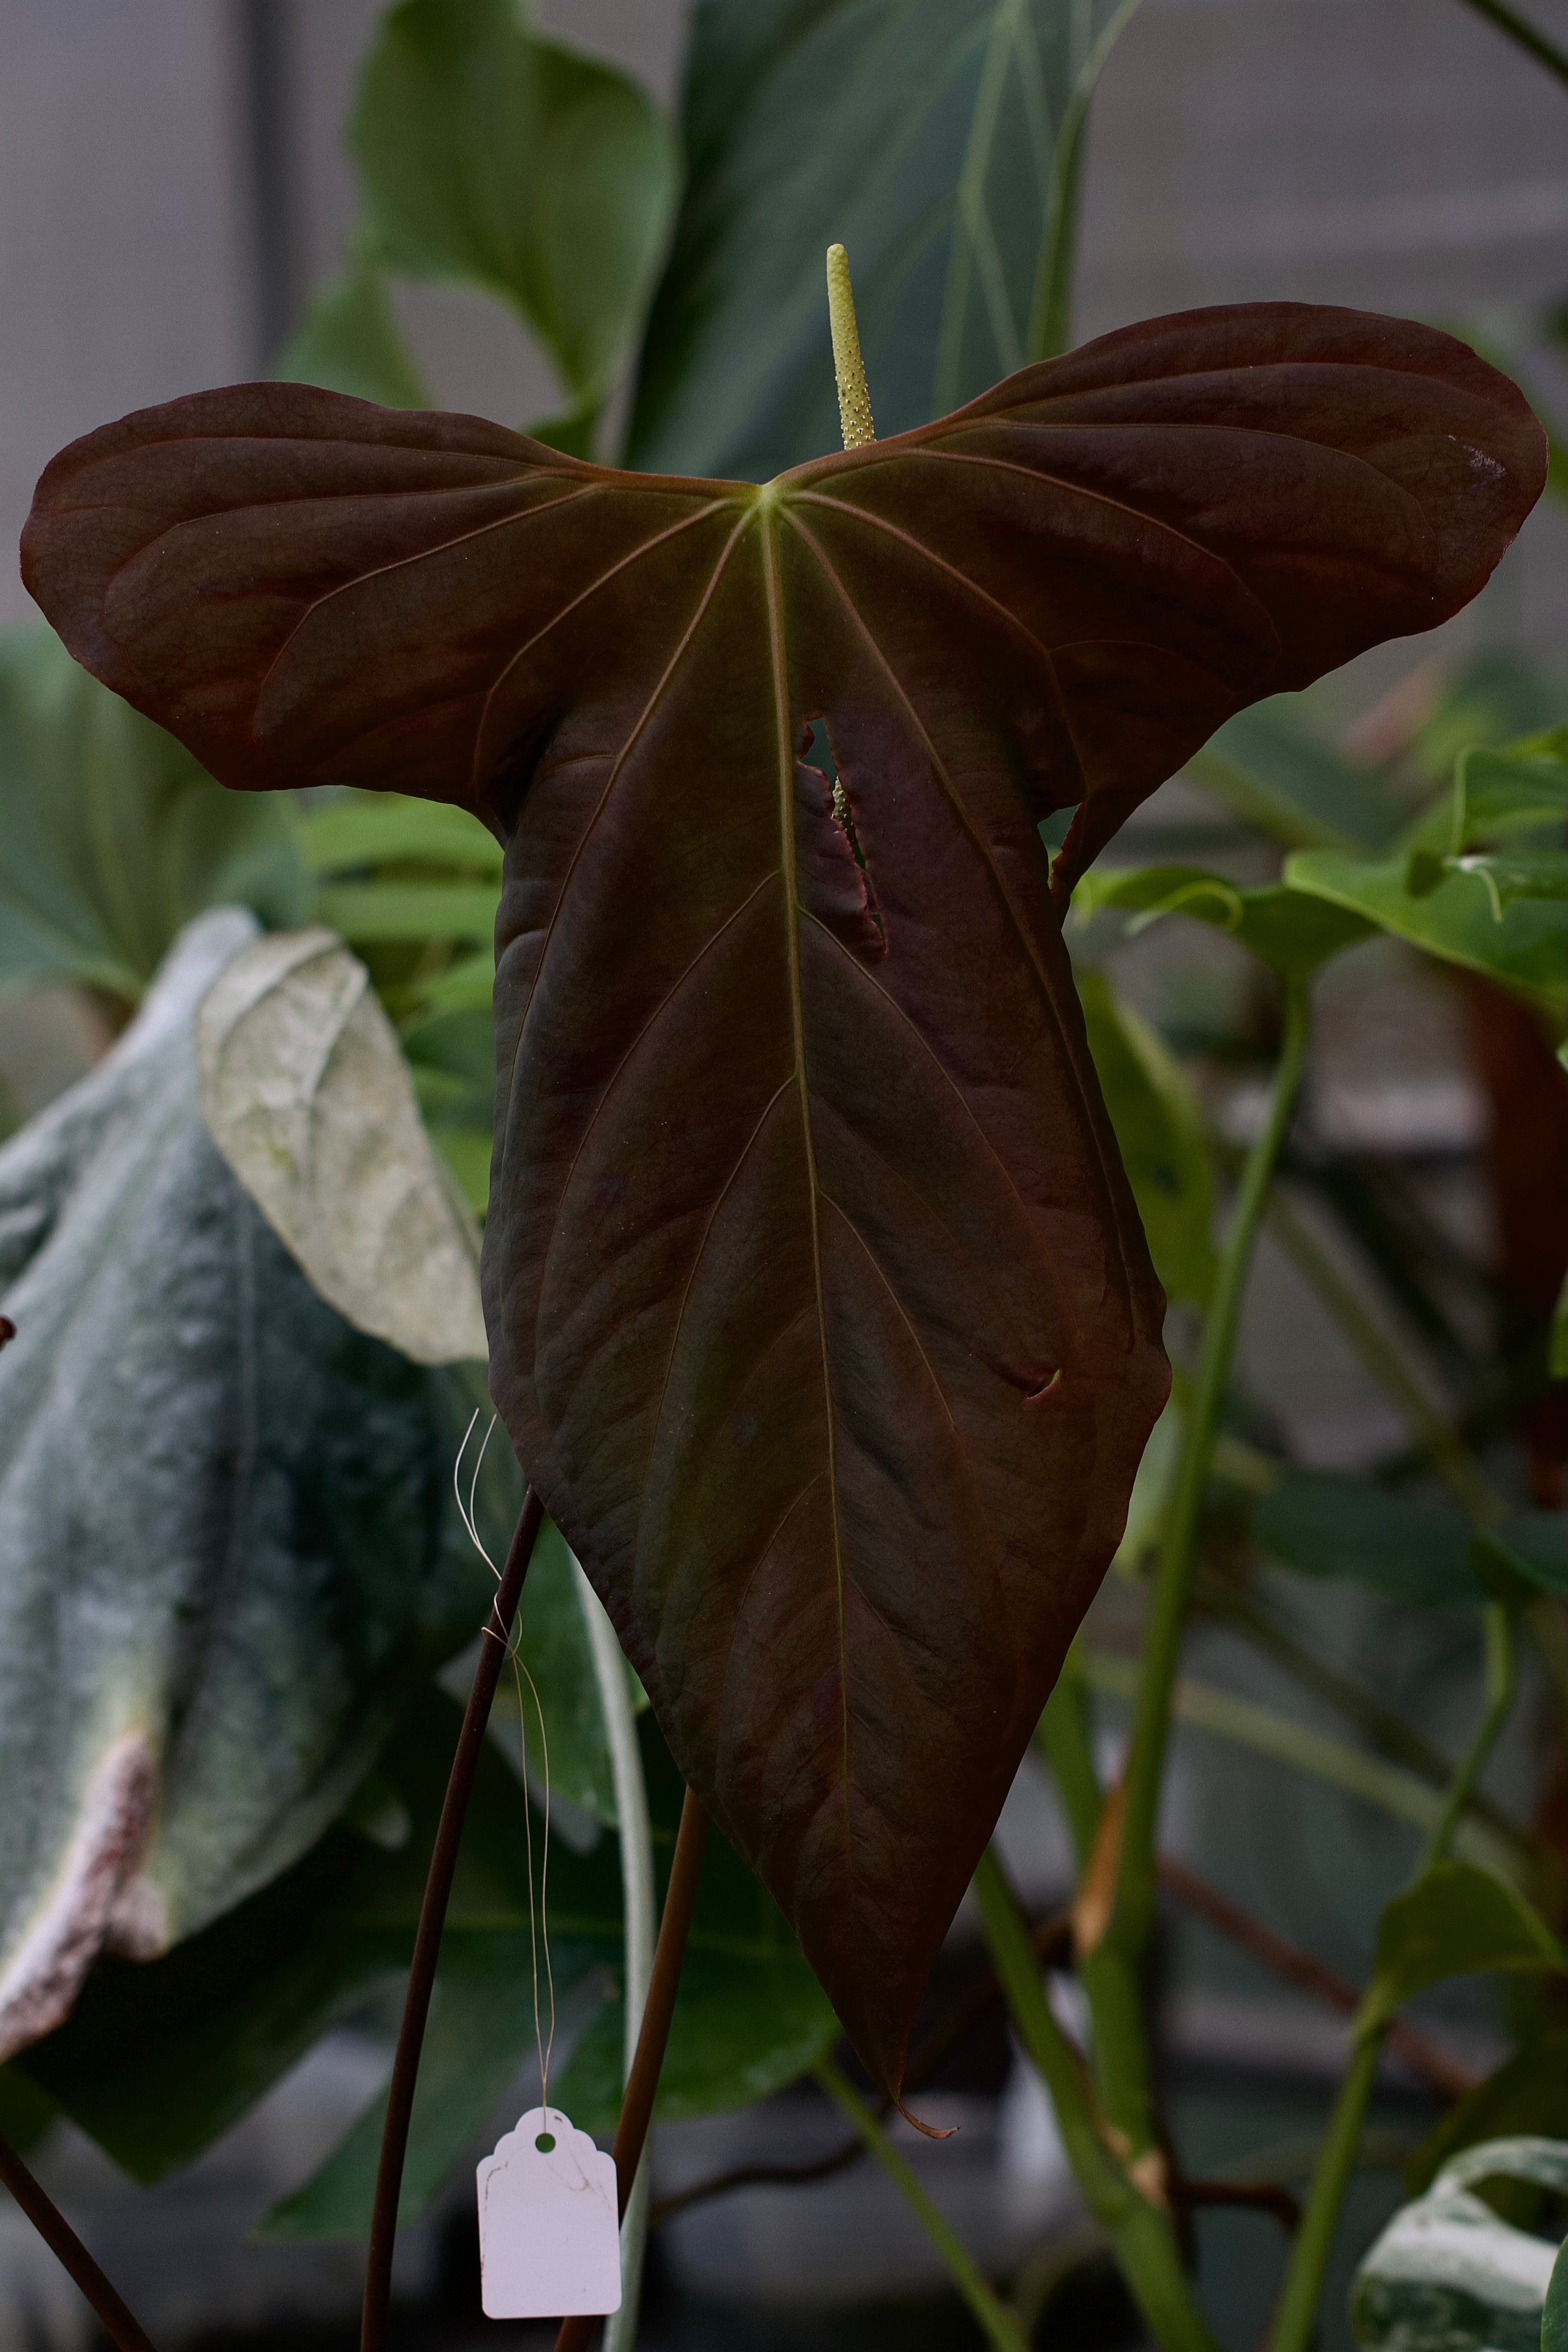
(818, 1306)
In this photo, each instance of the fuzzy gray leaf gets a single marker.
(222, 1522)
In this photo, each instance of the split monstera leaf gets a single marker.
(819, 1307)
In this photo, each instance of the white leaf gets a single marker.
(1448, 2275)
(307, 1096)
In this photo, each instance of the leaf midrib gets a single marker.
(768, 512)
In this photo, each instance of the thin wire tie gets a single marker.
(539, 1926)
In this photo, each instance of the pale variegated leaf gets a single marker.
(1447, 2275)
(308, 1094)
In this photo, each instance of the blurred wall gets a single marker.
(172, 184)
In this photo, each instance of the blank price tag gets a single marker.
(550, 2243)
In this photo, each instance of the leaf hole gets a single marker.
(843, 897)
(1045, 1387)
(819, 755)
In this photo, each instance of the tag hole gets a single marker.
(545, 2142)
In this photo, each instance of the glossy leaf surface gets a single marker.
(938, 139)
(223, 1523)
(817, 1306)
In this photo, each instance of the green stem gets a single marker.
(1497, 1633)
(1114, 1997)
(636, 1840)
(1131, 1926)
(1141, 2232)
(1509, 20)
(1065, 1740)
(1296, 2323)
(999, 2326)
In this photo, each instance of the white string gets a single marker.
(538, 1929)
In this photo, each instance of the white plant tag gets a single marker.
(549, 2240)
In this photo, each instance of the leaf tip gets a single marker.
(927, 2131)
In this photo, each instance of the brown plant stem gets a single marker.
(1122, 2066)
(1298, 1967)
(642, 2082)
(764, 2176)
(56, 2233)
(1262, 2196)
(432, 1918)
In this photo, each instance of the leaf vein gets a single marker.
(793, 911)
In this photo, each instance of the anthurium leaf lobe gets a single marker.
(818, 1303)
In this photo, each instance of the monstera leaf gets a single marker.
(223, 1523)
(818, 1303)
(1447, 2275)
